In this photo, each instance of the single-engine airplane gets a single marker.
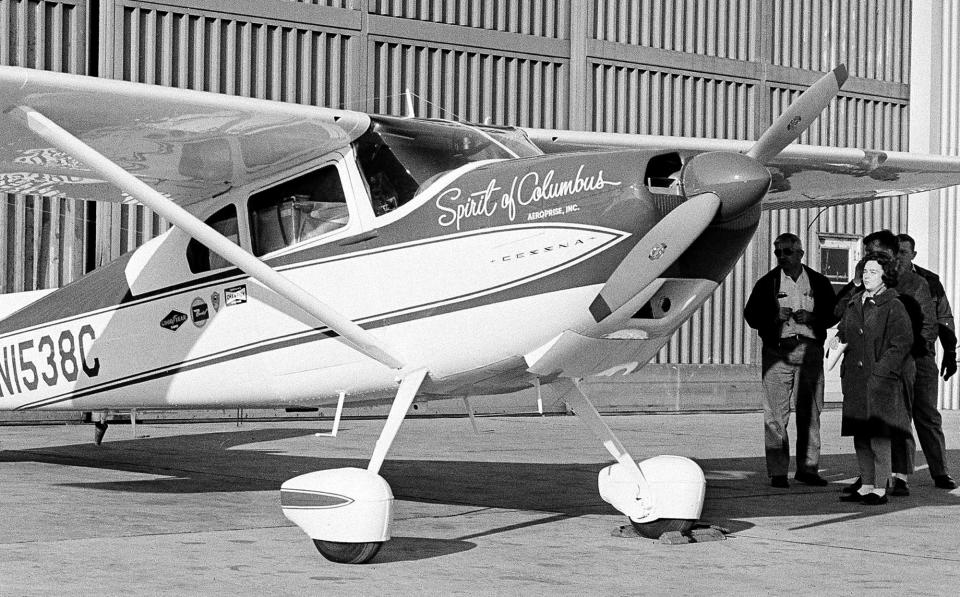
(322, 256)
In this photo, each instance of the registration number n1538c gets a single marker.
(48, 360)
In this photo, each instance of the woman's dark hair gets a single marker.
(890, 274)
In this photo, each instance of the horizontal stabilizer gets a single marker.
(14, 301)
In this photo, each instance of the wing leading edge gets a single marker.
(187, 145)
(803, 175)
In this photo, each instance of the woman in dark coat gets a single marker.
(877, 331)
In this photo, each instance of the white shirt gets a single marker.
(798, 296)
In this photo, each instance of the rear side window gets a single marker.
(199, 257)
(304, 208)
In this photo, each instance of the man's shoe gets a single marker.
(811, 479)
(853, 487)
(900, 487)
(872, 499)
(851, 497)
(944, 482)
(779, 481)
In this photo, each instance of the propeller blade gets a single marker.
(655, 252)
(799, 116)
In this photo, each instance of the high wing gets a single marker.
(803, 175)
(187, 145)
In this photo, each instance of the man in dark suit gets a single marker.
(926, 417)
(791, 308)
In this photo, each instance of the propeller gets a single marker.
(736, 183)
(799, 116)
(741, 180)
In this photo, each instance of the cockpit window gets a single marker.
(297, 210)
(199, 257)
(398, 155)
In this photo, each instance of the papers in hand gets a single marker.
(834, 351)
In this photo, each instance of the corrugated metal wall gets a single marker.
(713, 68)
(943, 242)
(949, 214)
(42, 239)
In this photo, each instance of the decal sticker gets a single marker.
(235, 295)
(215, 301)
(459, 205)
(199, 313)
(657, 251)
(173, 320)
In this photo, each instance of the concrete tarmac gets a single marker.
(512, 510)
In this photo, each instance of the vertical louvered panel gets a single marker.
(41, 238)
(948, 213)
(870, 36)
(719, 28)
(232, 55)
(540, 18)
(465, 85)
(628, 99)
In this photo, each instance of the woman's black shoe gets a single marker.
(872, 499)
(852, 497)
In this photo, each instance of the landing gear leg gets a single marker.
(660, 494)
(347, 511)
(99, 427)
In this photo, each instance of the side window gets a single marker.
(297, 210)
(199, 257)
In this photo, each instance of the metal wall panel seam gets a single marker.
(517, 44)
(292, 13)
(672, 61)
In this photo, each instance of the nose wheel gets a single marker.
(347, 553)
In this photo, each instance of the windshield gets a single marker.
(397, 156)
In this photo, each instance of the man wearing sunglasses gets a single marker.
(791, 308)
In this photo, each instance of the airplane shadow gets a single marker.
(737, 488)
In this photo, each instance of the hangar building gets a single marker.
(709, 68)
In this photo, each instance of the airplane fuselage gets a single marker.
(487, 277)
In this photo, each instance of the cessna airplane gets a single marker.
(322, 257)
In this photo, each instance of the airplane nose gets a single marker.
(738, 180)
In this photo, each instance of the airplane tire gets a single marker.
(653, 530)
(347, 553)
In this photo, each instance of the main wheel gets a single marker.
(653, 530)
(347, 553)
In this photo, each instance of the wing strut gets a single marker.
(359, 338)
